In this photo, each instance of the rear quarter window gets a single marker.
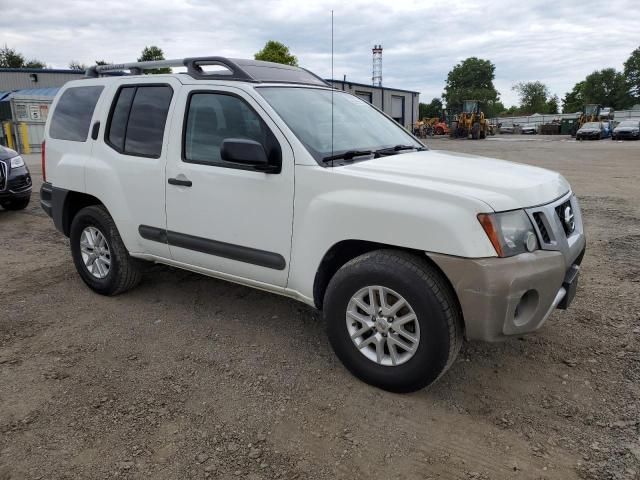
(72, 116)
(137, 121)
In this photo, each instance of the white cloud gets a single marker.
(555, 42)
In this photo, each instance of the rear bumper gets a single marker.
(52, 201)
(500, 297)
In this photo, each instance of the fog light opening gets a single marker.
(526, 308)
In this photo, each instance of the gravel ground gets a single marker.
(191, 377)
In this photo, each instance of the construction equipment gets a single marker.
(470, 121)
(592, 112)
(430, 126)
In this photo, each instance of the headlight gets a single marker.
(17, 162)
(635, 132)
(510, 233)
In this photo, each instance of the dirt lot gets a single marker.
(190, 377)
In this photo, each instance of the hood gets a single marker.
(589, 130)
(7, 153)
(625, 129)
(501, 184)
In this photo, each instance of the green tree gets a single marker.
(573, 101)
(533, 96)
(608, 88)
(74, 65)
(493, 108)
(430, 110)
(277, 52)
(553, 104)
(34, 63)
(632, 72)
(150, 54)
(471, 79)
(9, 58)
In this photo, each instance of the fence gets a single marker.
(538, 119)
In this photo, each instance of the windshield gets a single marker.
(357, 126)
(469, 106)
(591, 109)
(591, 125)
(629, 123)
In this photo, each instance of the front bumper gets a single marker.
(500, 297)
(508, 296)
(15, 183)
(588, 136)
(626, 136)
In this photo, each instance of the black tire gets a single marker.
(475, 131)
(16, 203)
(432, 300)
(124, 271)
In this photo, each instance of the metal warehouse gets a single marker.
(401, 105)
(18, 78)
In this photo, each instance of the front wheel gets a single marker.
(393, 320)
(99, 254)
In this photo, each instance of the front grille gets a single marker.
(543, 230)
(560, 213)
(3, 176)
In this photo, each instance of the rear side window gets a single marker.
(137, 120)
(72, 117)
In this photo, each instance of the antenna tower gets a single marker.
(376, 77)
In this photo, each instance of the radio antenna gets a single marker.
(332, 87)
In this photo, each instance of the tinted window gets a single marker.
(138, 119)
(119, 117)
(211, 118)
(72, 117)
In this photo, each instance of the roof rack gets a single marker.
(233, 69)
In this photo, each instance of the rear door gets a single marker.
(127, 172)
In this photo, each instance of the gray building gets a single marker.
(18, 78)
(25, 97)
(401, 105)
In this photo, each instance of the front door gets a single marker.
(223, 216)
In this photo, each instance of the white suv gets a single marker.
(261, 174)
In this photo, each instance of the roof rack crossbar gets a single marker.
(194, 68)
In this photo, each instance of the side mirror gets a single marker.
(247, 152)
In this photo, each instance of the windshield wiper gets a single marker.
(396, 149)
(348, 155)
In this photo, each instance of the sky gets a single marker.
(558, 42)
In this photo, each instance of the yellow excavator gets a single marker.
(470, 121)
(592, 112)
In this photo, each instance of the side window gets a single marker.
(72, 117)
(137, 121)
(214, 117)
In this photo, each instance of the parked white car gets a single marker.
(263, 175)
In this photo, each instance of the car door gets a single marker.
(224, 216)
(127, 171)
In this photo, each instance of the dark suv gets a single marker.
(15, 180)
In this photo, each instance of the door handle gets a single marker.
(95, 130)
(183, 182)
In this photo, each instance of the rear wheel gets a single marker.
(15, 204)
(99, 254)
(393, 320)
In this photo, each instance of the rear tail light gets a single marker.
(44, 165)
